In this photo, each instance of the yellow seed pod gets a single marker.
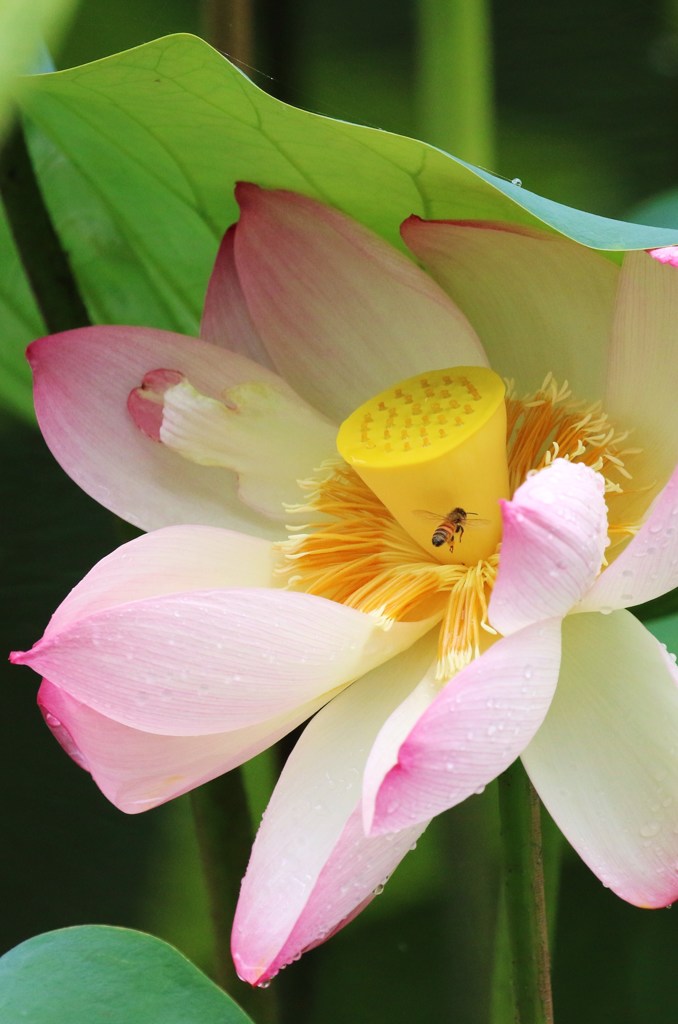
(433, 449)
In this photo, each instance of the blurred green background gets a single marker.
(585, 112)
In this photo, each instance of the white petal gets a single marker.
(312, 865)
(642, 373)
(605, 760)
(538, 302)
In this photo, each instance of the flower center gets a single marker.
(390, 528)
(434, 448)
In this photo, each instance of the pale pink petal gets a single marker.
(82, 382)
(648, 566)
(139, 770)
(207, 661)
(440, 746)
(665, 254)
(342, 313)
(604, 762)
(555, 533)
(270, 438)
(642, 375)
(312, 867)
(226, 319)
(174, 560)
(538, 302)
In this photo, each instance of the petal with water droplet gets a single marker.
(222, 658)
(310, 872)
(437, 748)
(604, 761)
(138, 770)
(555, 532)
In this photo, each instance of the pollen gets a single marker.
(355, 549)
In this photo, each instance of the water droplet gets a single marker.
(517, 182)
(650, 829)
(378, 890)
(263, 984)
(413, 846)
(479, 790)
(605, 611)
(527, 672)
(449, 766)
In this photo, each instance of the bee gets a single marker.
(451, 525)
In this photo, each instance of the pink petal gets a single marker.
(226, 319)
(312, 867)
(174, 560)
(538, 302)
(139, 770)
(648, 566)
(642, 374)
(342, 313)
(207, 661)
(82, 382)
(604, 761)
(665, 254)
(438, 748)
(555, 533)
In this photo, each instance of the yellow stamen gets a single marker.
(435, 444)
(363, 558)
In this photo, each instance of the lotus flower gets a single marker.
(450, 593)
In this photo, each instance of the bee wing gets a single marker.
(476, 522)
(425, 514)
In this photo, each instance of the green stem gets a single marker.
(454, 78)
(44, 260)
(230, 28)
(224, 832)
(524, 902)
